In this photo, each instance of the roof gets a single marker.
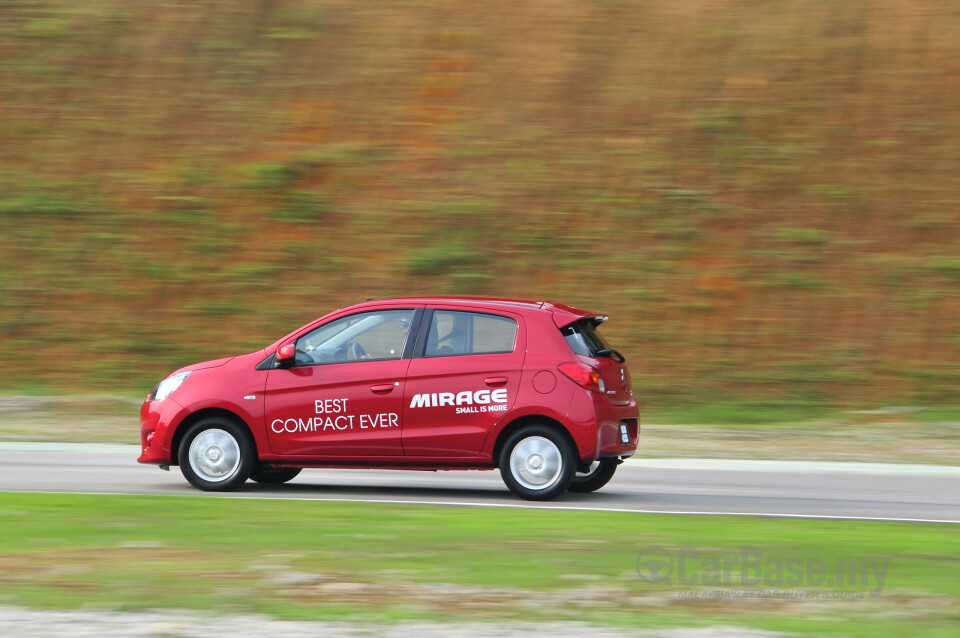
(472, 299)
(563, 314)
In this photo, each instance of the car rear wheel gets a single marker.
(275, 476)
(216, 455)
(599, 474)
(537, 463)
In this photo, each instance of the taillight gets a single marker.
(583, 375)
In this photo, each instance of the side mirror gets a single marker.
(286, 353)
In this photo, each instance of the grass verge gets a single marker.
(313, 560)
(880, 435)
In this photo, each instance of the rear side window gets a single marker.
(584, 339)
(457, 333)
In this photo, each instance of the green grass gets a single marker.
(777, 414)
(793, 414)
(315, 560)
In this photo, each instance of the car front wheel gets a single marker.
(537, 463)
(216, 455)
(597, 476)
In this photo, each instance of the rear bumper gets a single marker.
(157, 422)
(613, 422)
(595, 422)
(610, 438)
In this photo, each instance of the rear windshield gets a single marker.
(584, 339)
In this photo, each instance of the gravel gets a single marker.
(24, 623)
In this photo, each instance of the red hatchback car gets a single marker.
(434, 383)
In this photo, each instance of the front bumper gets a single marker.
(158, 419)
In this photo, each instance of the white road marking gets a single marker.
(52, 446)
(530, 506)
(804, 467)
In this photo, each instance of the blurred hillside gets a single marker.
(764, 196)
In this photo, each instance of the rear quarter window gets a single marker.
(584, 338)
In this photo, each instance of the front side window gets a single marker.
(456, 333)
(367, 336)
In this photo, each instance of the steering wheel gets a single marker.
(358, 352)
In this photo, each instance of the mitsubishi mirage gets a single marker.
(527, 387)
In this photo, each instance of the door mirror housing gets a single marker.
(286, 353)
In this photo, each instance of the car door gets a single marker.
(464, 378)
(343, 395)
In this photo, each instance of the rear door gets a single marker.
(464, 376)
(586, 341)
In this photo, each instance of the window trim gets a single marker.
(413, 335)
(423, 334)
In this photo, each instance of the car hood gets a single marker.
(215, 363)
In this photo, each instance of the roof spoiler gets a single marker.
(565, 319)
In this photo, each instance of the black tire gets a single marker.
(597, 478)
(223, 458)
(275, 476)
(550, 458)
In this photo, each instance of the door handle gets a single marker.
(382, 388)
(495, 381)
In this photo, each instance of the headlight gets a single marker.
(166, 387)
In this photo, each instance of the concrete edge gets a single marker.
(692, 464)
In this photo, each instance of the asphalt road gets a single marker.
(687, 486)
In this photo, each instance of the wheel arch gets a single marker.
(529, 419)
(206, 413)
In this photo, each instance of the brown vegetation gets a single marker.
(763, 196)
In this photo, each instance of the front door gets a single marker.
(343, 396)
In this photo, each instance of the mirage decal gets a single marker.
(466, 402)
